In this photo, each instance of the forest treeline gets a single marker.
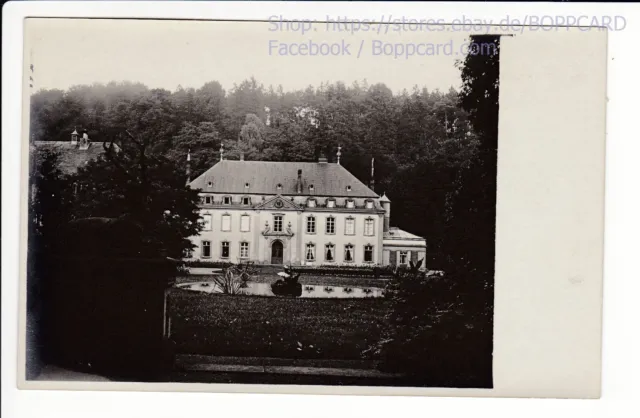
(420, 140)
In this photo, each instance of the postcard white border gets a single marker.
(13, 46)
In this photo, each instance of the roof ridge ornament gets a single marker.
(221, 151)
(338, 154)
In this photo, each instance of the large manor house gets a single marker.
(296, 213)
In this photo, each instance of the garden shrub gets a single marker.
(438, 329)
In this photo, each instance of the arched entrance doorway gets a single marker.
(277, 249)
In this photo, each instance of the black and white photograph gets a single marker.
(272, 202)
(305, 228)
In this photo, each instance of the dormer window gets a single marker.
(350, 204)
(311, 203)
(369, 204)
(331, 203)
(246, 185)
(311, 188)
(348, 188)
(226, 200)
(279, 187)
(208, 200)
(210, 184)
(246, 201)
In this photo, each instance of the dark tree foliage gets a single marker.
(49, 210)
(49, 203)
(440, 329)
(135, 185)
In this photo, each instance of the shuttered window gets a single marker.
(368, 227)
(226, 223)
(350, 226)
(244, 223)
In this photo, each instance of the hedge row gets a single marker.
(349, 271)
(213, 264)
(322, 270)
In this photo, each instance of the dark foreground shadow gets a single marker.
(97, 304)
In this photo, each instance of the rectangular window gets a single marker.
(311, 252)
(403, 257)
(368, 253)
(244, 250)
(348, 253)
(368, 227)
(226, 223)
(244, 223)
(331, 225)
(206, 249)
(311, 225)
(246, 201)
(350, 226)
(206, 222)
(226, 200)
(277, 223)
(329, 252)
(208, 200)
(224, 253)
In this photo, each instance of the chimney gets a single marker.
(241, 156)
(299, 182)
(322, 158)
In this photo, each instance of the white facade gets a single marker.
(297, 214)
(309, 235)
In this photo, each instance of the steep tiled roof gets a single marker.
(328, 179)
(70, 157)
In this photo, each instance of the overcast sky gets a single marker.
(166, 54)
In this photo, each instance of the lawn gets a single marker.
(257, 326)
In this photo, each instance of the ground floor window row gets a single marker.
(225, 249)
(329, 253)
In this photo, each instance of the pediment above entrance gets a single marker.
(278, 203)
